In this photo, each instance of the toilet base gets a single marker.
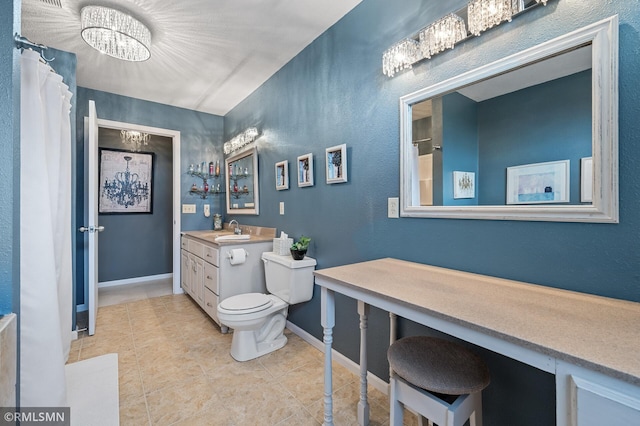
(250, 344)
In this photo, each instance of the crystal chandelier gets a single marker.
(126, 189)
(115, 33)
(134, 139)
(442, 34)
(484, 14)
(400, 56)
(241, 140)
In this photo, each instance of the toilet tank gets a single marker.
(290, 280)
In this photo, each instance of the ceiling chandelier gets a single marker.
(115, 33)
(135, 140)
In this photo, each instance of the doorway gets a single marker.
(174, 138)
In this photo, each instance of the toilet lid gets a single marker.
(247, 303)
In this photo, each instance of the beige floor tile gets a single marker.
(179, 402)
(133, 412)
(266, 404)
(175, 368)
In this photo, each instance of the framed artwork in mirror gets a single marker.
(336, 164)
(538, 183)
(305, 170)
(586, 180)
(126, 182)
(464, 185)
(282, 175)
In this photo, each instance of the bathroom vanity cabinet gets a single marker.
(207, 274)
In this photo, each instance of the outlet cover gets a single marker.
(281, 207)
(188, 208)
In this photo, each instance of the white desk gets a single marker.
(590, 343)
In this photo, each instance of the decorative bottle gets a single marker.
(211, 168)
(217, 168)
(206, 186)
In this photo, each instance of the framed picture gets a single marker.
(464, 185)
(336, 158)
(126, 182)
(586, 180)
(538, 183)
(305, 170)
(282, 175)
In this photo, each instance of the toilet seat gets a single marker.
(246, 303)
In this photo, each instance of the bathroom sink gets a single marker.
(232, 237)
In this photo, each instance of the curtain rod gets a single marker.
(23, 43)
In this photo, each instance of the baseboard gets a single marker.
(136, 280)
(372, 379)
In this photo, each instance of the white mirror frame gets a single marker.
(603, 36)
(255, 210)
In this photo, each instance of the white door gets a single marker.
(91, 228)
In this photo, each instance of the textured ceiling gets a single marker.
(206, 55)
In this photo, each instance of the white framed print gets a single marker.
(336, 164)
(305, 170)
(282, 175)
(586, 180)
(464, 185)
(538, 183)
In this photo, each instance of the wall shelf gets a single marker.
(200, 191)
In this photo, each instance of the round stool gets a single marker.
(440, 380)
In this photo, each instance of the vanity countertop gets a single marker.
(596, 332)
(258, 234)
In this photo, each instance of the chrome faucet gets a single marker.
(237, 230)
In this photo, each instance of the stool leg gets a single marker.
(363, 404)
(476, 416)
(396, 408)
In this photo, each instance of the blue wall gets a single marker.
(9, 160)
(334, 92)
(201, 139)
(140, 244)
(459, 144)
(547, 122)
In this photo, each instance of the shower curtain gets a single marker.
(45, 234)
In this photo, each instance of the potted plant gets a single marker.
(299, 248)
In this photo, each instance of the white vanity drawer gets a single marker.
(211, 304)
(196, 248)
(211, 277)
(211, 255)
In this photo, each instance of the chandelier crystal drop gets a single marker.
(442, 34)
(135, 140)
(400, 56)
(241, 140)
(485, 14)
(115, 33)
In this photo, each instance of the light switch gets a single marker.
(207, 210)
(281, 207)
(188, 208)
(392, 208)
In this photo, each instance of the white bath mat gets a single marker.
(92, 391)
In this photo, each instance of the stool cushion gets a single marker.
(438, 365)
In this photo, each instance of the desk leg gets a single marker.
(328, 320)
(363, 404)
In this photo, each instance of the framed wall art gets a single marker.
(305, 170)
(336, 164)
(538, 183)
(586, 180)
(464, 185)
(126, 182)
(282, 175)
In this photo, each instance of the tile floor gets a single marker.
(175, 369)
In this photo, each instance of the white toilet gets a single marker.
(257, 319)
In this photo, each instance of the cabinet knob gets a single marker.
(209, 304)
(209, 277)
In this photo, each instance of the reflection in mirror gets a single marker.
(514, 139)
(241, 172)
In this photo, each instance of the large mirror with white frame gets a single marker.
(241, 173)
(533, 136)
